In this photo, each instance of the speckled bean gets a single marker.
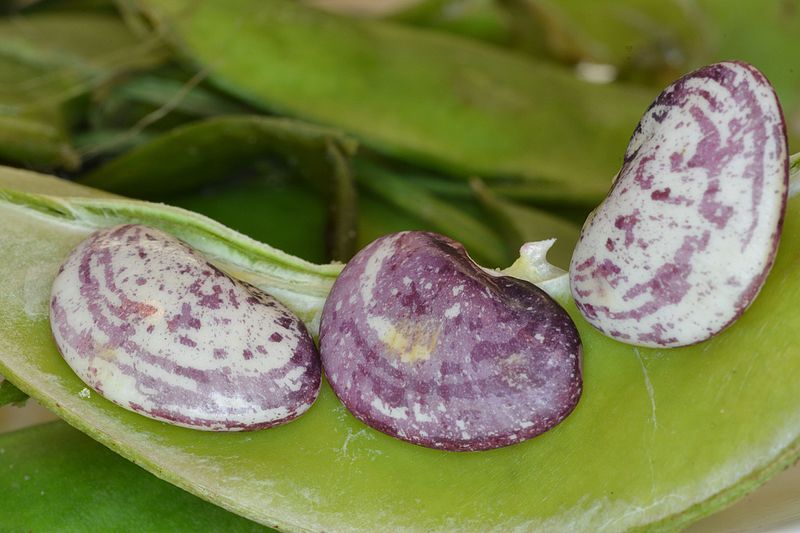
(689, 231)
(421, 343)
(154, 327)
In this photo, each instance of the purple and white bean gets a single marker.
(151, 325)
(421, 343)
(689, 231)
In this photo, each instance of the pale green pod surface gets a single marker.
(659, 438)
(435, 99)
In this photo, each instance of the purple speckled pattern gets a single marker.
(687, 235)
(149, 324)
(422, 344)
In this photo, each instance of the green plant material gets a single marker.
(660, 437)
(480, 240)
(91, 44)
(47, 63)
(57, 479)
(9, 394)
(234, 205)
(640, 38)
(82, 6)
(461, 192)
(109, 142)
(658, 41)
(438, 100)
(760, 33)
(14, 6)
(219, 149)
(160, 91)
(523, 224)
(35, 143)
(32, 134)
(151, 102)
(300, 285)
(478, 19)
(377, 218)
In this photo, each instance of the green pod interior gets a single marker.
(660, 437)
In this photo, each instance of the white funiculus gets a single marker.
(685, 239)
(152, 326)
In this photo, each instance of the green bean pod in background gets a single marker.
(220, 149)
(655, 42)
(48, 65)
(9, 394)
(55, 469)
(640, 40)
(437, 100)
